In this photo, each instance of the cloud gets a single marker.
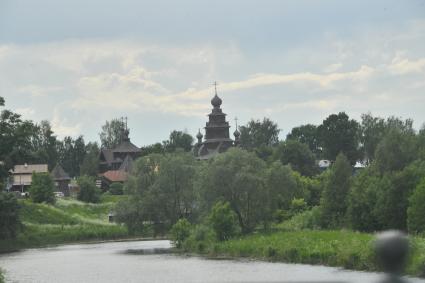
(61, 127)
(37, 90)
(401, 65)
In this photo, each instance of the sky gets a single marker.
(79, 63)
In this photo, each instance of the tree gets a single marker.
(416, 210)
(90, 162)
(306, 134)
(178, 139)
(9, 215)
(42, 188)
(338, 134)
(153, 148)
(223, 221)
(334, 199)
(180, 232)
(112, 133)
(237, 177)
(362, 200)
(258, 133)
(72, 153)
(374, 129)
(45, 145)
(395, 151)
(298, 156)
(88, 190)
(161, 189)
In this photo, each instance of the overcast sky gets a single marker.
(79, 63)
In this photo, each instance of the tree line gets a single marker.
(266, 181)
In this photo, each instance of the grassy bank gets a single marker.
(66, 221)
(346, 249)
(1, 276)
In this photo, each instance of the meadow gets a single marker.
(66, 221)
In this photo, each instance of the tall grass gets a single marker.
(348, 249)
(66, 221)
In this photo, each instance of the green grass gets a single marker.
(1, 276)
(351, 250)
(66, 221)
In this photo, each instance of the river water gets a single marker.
(148, 261)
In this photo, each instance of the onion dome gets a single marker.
(216, 101)
(199, 136)
(237, 134)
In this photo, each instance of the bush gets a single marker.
(309, 219)
(116, 189)
(416, 210)
(9, 217)
(88, 190)
(180, 232)
(223, 221)
(42, 188)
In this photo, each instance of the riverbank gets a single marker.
(347, 249)
(67, 221)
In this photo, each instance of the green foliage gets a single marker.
(161, 191)
(9, 216)
(88, 190)
(180, 232)
(90, 162)
(237, 177)
(256, 134)
(298, 205)
(336, 188)
(306, 134)
(223, 221)
(72, 153)
(116, 189)
(42, 187)
(298, 156)
(362, 200)
(308, 219)
(112, 133)
(338, 134)
(178, 139)
(201, 238)
(416, 210)
(395, 151)
(65, 221)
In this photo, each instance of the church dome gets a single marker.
(199, 135)
(237, 133)
(216, 101)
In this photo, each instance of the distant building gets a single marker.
(22, 175)
(115, 164)
(61, 180)
(112, 159)
(217, 138)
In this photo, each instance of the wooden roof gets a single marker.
(58, 174)
(30, 168)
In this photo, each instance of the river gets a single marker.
(148, 261)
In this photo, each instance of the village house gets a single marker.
(61, 180)
(115, 164)
(21, 176)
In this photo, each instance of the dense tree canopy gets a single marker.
(338, 133)
(112, 133)
(298, 156)
(258, 133)
(178, 139)
(306, 134)
(42, 187)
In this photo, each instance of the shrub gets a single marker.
(9, 217)
(223, 221)
(88, 190)
(116, 189)
(42, 188)
(416, 210)
(180, 232)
